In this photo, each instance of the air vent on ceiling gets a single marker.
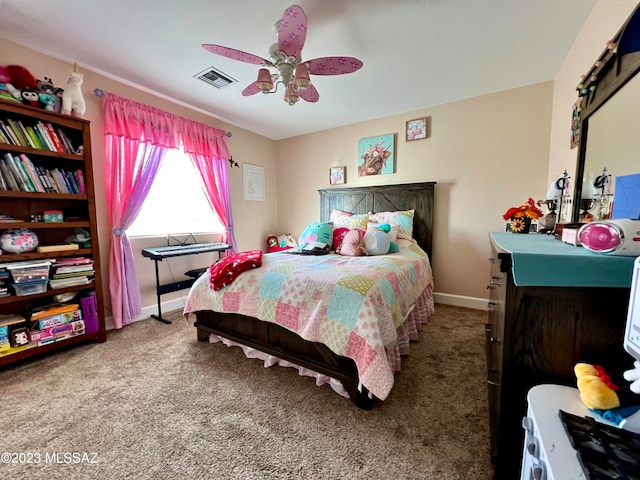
(215, 77)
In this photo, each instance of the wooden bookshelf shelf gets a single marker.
(42, 180)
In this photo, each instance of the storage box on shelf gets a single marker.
(46, 166)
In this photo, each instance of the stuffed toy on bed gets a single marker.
(378, 241)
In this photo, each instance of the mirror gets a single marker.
(609, 124)
(612, 148)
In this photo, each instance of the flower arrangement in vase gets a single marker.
(520, 217)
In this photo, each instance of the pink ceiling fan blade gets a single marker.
(235, 54)
(333, 65)
(310, 94)
(251, 89)
(293, 31)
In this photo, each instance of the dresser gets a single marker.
(551, 305)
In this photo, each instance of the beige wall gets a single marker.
(487, 154)
(604, 22)
(253, 220)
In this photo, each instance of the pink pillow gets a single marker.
(340, 218)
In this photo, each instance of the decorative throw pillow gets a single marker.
(359, 221)
(317, 232)
(340, 218)
(338, 237)
(353, 244)
(402, 218)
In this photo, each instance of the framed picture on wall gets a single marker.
(337, 175)
(253, 180)
(416, 129)
(376, 155)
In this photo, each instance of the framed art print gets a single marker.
(416, 129)
(376, 155)
(253, 180)
(337, 175)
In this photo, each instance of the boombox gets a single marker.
(615, 237)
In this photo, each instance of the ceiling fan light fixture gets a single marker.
(301, 80)
(264, 82)
(291, 96)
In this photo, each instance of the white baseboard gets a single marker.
(168, 306)
(461, 301)
(444, 298)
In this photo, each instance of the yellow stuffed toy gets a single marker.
(597, 391)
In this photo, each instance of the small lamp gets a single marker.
(291, 96)
(301, 79)
(264, 82)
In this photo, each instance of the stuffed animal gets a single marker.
(278, 244)
(603, 397)
(7, 90)
(72, 99)
(317, 232)
(597, 391)
(21, 78)
(377, 240)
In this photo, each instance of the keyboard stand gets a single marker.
(175, 286)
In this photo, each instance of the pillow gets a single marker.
(402, 218)
(393, 233)
(340, 218)
(359, 221)
(353, 245)
(404, 243)
(317, 232)
(338, 237)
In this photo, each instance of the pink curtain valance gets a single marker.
(137, 121)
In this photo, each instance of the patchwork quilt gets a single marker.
(353, 305)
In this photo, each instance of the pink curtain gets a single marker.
(215, 183)
(137, 137)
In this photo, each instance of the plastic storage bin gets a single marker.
(27, 273)
(30, 288)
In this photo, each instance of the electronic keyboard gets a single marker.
(177, 250)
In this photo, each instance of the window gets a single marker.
(176, 202)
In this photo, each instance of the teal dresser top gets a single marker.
(541, 260)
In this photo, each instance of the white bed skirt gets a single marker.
(407, 332)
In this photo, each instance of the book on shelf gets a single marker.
(8, 175)
(35, 140)
(45, 135)
(62, 269)
(17, 173)
(18, 135)
(69, 282)
(8, 131)
(58, 248)
(31, 171)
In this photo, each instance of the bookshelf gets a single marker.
(57, 175)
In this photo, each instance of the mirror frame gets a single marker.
(609, 73)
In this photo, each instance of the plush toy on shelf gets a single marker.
(72, 99)
(7, 90)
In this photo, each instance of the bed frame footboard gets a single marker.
(275, 340)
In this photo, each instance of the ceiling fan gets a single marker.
(285, 57)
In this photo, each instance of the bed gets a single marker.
(365, 362)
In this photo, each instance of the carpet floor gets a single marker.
(154, 403)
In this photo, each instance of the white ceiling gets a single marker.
(416, 53)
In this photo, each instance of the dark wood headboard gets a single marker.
(386, 198)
